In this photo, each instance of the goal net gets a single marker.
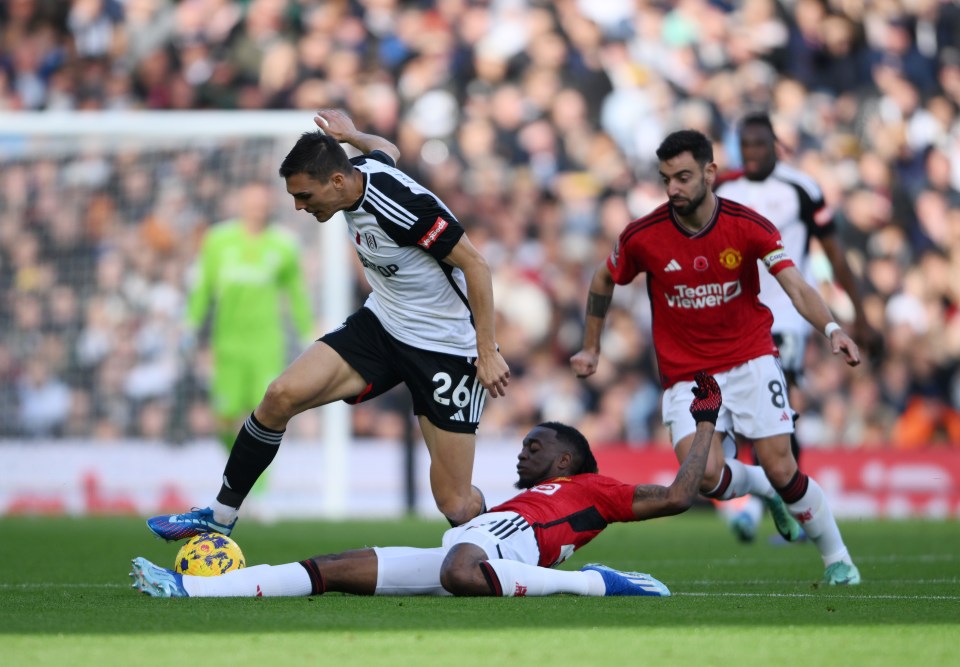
(101, 215)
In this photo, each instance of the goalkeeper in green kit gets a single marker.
(246, 270)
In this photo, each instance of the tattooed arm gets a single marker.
(584, 362)
(653, 500)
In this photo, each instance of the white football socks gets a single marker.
(817, 520)
(288, 580)
(519, 579)
(746, 479)
(223, 514)
(409, 571)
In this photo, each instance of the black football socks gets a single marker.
(252, 453)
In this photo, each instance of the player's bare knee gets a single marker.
(454, 581)
(780, 472)
(461, 575)
(710, 481)
(458, 509)
(278, 401)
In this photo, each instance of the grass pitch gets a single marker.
(65, 599)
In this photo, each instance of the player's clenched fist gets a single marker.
(707, 399)
(584, 364)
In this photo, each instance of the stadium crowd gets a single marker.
(536, 122)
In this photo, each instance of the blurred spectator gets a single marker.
(44, 401)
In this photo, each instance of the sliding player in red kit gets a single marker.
(510, 551)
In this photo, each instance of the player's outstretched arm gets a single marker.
(584, 363)
(811, 306)
(492, 369)
(653, 500)
(339, 126)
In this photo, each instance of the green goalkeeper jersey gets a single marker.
(244, 278)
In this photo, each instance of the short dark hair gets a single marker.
(682, 141)
(576, 444)
(317, 155)
(758, 119)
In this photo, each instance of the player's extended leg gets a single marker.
(380, 571)
(743, 514)
(376, 571)
(451, 472)
(317, 377)
(808, 504)
(468, 571)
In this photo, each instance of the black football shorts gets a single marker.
(444, 387)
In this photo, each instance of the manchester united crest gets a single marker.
(730, 258)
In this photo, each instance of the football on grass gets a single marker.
(208, 555)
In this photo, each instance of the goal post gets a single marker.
(82, 188)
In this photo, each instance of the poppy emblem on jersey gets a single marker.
(730, 258)
(701, 263)
(432, 235)
(358, 238)
(371, 240)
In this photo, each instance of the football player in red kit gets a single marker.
(795, 204)
(700, 253)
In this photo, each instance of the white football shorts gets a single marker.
(500, 535)
(755, 402)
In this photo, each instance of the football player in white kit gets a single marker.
(428, 323)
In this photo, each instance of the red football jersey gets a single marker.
(703, 286)
(567, 512)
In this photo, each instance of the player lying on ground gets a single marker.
(508, 551)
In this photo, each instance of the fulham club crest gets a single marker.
(371, 240)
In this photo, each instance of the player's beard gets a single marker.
(523, 484)
(527, 482)
(695, 202)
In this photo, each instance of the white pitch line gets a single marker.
(49, 584)
(898, 558)
(891, 558)
(819, 596)
(785, 582)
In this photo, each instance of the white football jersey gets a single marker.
(794, 203)
(401, 232)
